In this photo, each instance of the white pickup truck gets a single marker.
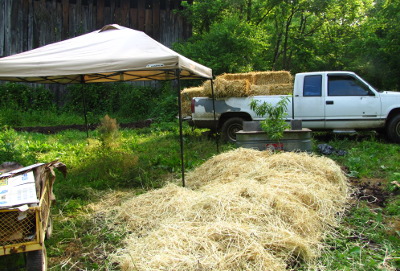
(338, 101)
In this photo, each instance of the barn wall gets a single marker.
(28, 24)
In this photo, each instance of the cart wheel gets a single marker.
(49, 230)
(36, 260)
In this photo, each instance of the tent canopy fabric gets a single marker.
(114, 53)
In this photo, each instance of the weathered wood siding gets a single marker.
(28, 24)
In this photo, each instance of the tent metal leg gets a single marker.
(85, 113)
(178, 73)
(215, 117)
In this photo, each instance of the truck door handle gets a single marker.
(329, 102)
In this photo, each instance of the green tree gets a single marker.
(379, 45)
(231, 45)
(297, 35)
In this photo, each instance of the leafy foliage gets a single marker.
(358, 35)
(14, 149)
(230, 46)
(274, 124)
(16, 96)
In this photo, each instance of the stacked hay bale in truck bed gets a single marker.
(240, 85)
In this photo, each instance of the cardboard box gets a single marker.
(18, 190)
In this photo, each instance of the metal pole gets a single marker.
(84, 107)
(178, 75)
(215, 117)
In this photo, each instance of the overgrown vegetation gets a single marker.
(23, 105)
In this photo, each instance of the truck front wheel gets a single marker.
(393, 129)
(230, 127)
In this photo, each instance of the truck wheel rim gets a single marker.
(233, 130)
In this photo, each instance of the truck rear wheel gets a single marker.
(393, 129)
(230, 127)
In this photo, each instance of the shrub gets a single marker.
(25, 98)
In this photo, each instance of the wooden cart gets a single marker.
(23, 229)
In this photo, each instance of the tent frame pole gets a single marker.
(178, 76)
(215, 116)
(85, 107)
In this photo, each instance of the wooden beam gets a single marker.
(156, 19)
(65, 19)
(141, 14)
(100, 14)
(125, 13)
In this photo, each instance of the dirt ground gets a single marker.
(370, 190)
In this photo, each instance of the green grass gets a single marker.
(369, 236)
(145, 159)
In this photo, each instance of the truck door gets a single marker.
(350, 103)
(309, 102)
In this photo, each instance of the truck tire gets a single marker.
(393, 129)
(36, 260)
(229, 129)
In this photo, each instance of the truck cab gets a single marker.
(336, 100)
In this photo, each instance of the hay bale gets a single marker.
(227, 88)
(237, 76)
(273, 89)
(272, 77)
(245, 210)
(259, 90)
(280, 89)
(186, 98)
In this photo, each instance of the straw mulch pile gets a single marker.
(240, 85)
(243, 210)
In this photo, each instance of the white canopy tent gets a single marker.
(114, 53)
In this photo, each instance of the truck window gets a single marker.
(345, 85)
(312, 85)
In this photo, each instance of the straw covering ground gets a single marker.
(240, 85)
(242, 210)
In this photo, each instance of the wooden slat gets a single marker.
(133, 18)
(30, 25)
(92, 18)
(156, 19)
(148, 23)
(112, 12)
(100, 14)
(125, 13)
(79, 25)
(117, 15)
(65, 19)
(24, 24)
(141, 14)
(2, 27)
(72, 27)
(7, 28)
(59, 21)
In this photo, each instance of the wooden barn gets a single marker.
(28, 24)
